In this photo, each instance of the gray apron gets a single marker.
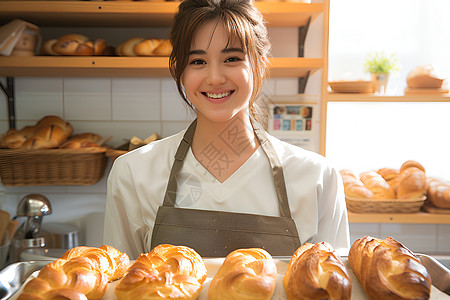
(217, 233)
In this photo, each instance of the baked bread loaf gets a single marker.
(81, 273)
(167, 272)
(353, 186)
(391, 176)
(316, 271)
(412, 182)
(74, 44)
(245, 274)
(438, 193)
(376, 183)
(388, 270)
(49, 132)
(81, 140)
(424, 77)
(139, 46)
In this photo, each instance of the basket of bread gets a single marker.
(48, 153)
(386, 190)
(374, 269)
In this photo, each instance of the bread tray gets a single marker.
(364, 205)
(13, 277)
(38, 167)
(353, 86)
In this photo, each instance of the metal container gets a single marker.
(60, 235)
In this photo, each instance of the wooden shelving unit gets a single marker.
(410, 218)
(131, 14)
(342, 97)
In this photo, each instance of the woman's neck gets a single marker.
(224, 147)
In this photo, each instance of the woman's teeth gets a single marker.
(218, 96)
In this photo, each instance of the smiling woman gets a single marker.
(223, 183)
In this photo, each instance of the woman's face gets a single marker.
(218, 78)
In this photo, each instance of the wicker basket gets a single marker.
(362, 205)
(33, 167)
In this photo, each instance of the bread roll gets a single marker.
(164, 49)
(167, 272)
(127, 48)
(316, 271)
(438, 193)
(388, 270)
(353, 187)
(81, 273)
(392, 176)
(146, 47)
(245, 274)
(412, 182)
(376, 183)
(81, 140)
(424, 77)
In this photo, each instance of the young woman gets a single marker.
(223, 183)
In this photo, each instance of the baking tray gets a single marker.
(15, 275)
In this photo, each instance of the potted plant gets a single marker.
(380, 65)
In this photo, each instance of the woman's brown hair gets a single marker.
(240, 18)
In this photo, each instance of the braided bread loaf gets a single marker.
(81, 273)
(388, 270)
(75, 45)
(353, 186)
(317, 272)
(245, 274)
(167, 272)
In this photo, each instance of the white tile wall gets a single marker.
(124, 107)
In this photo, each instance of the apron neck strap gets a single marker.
(277, 170)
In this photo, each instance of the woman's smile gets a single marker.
(218, 97)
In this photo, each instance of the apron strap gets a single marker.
(277, 170)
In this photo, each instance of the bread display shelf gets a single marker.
(37, 167)
(137, 13)
(349, 97)
(129, 66)
(400, 218)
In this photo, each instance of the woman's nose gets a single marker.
(216, 75)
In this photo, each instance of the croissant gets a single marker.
(167, 272)
(388, 270)
(412, 182)
(316, 271)
(245, 274)
(81, 273)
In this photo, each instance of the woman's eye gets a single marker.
(197, 62)
(233, 59)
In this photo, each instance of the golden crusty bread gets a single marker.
(167, 272)
(387, 270)
(316, 271)
(376, 183)
(353, 186)
(146, 47)
(81, 273)
(81, 140)
(424, 77)
(164, 48)
(438, 193)
(245, 274)
(49, 132)
(412, 182)
(391, 176)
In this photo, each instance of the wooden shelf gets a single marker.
(128, 66)
(413, 218)
(343, 97)
(137, 13)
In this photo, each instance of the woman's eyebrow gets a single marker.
(228, 50)
(197, 52)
